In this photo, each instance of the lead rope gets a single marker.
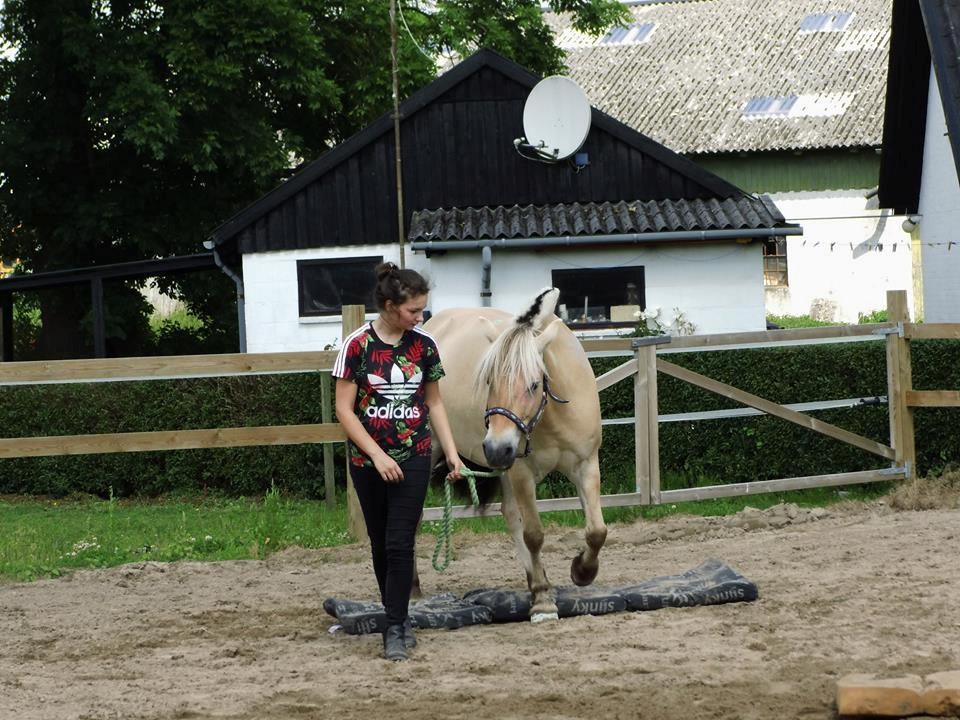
(446, 524)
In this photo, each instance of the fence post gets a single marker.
(326, 416)
(646, 427)
(353, 318)
(899, 382)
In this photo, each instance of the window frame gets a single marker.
(776, 243)
(369, 305)
(608, 324)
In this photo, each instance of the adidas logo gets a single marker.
(398, 412)
(397, 388)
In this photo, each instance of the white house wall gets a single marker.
(717, 286)
(939, 218)
(849, 255)
(272, 306)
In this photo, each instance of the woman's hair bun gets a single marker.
(386, 269)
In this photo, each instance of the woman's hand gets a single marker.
(456, 465)
(388, 468)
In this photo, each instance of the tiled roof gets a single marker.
(531, 221)
(688, 83)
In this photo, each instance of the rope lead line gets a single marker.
(444, 537)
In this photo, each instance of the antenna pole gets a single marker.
(396, 126)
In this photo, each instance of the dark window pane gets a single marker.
(589, 293)
(327, 285)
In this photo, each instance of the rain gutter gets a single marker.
(613, 239)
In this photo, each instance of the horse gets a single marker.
(522, 399)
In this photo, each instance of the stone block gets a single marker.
(941, 693)
(866, 695)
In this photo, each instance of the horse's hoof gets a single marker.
(540, 617)
(582, 573)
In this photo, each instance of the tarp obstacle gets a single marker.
(711, 583)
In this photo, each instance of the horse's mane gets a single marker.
(514, 355)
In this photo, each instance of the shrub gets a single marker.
(727, 450)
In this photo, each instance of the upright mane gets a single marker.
(513, 356)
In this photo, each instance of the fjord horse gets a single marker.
(522, 398)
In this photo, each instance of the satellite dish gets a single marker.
(556, 118)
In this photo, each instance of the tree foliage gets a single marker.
(130, 128)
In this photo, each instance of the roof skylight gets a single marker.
(765, 106)
(632, 34)
(795, 106)
(826, 22)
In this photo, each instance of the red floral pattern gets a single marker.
(391, 381)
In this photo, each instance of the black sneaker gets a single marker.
(409, 640)
(393, 646)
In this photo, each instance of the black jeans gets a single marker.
(392, 512)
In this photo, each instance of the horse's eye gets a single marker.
(534, 386)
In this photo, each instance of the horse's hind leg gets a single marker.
(584, 567)
(519, 508)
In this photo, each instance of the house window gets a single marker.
(775, 262)
(633, 34)
(826, 22)
(608, 296)
(327, 285)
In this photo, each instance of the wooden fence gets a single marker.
(643, 366)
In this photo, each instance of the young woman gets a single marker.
(388, 402)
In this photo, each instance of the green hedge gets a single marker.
(166, 405)
(727, 450)
(762, 447)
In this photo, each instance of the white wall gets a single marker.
(849, 255)
(272, 307)
(718, 286)
(940, 218)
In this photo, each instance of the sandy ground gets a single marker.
(861, 588)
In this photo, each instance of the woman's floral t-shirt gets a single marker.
(391, 390)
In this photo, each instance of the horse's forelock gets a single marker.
(513, 356)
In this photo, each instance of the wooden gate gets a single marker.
(645, 364)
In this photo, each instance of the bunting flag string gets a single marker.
(879, 246)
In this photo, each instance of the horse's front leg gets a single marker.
(520, 511)
(585, 565)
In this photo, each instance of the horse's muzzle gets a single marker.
(499, 455)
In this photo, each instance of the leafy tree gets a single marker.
(130, 128)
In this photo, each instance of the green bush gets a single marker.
(691, 453)
(73, 409)
(762, 447)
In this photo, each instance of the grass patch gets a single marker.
(47, 537)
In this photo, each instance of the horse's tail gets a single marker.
(487, 487)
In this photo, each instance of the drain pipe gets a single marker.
(486, 262)
(238, 281)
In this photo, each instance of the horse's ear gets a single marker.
(488, 329)
(549, 334)
(541, 309)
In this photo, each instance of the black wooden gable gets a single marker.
(457, 140)
(925, 34)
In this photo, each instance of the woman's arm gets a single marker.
(346, 398)
(441, 426)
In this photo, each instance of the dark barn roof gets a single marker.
(925, 32)
(457, 138)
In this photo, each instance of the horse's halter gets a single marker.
(526, 428)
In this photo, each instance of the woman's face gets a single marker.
(407, 315)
